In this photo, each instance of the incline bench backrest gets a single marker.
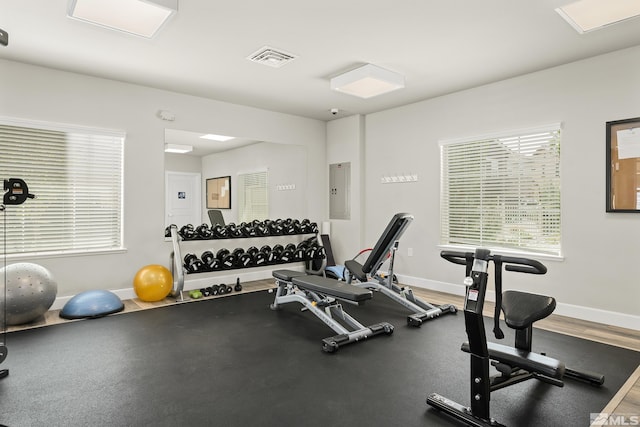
(391, 234)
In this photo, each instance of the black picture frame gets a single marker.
(623, 165)
(219, 192)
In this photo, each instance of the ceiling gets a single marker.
(203, 147)
(441, 46)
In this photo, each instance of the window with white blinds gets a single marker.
(76, 176)
(253, 200)
(503, 191)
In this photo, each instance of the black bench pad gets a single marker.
(287, 275)
(332, 287)
(529, 361)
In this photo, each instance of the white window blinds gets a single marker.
(76, 176)
(503, 192)
(253, 201)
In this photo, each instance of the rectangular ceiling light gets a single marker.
(214, 137)
(590, 15)
(140, 17)
(367, 81)
(177, 148)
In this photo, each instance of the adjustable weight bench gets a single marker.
(320, 295)
(369, 277)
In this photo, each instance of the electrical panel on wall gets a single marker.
(340, 191)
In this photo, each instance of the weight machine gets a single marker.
(16, 192)
(515, 364)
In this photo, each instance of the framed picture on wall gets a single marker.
(219, 193)
(623, 165)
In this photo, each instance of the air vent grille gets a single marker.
(272, 57)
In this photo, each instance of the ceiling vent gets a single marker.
(271, 57)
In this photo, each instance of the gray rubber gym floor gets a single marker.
(234, 362)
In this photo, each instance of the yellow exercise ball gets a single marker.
(153, 282)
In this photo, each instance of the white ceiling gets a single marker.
(441, 46)
(203, 147)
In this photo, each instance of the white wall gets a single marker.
(599, 274)
(286, 165)
(43, 94)
(345, 144)
(182, 163)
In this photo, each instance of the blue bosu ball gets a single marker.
(91, 304)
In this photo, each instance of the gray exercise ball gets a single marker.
(31, 291)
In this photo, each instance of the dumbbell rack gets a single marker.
(225, 260)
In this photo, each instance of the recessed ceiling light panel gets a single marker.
(590, 15)
(177, 148)
(214, 137)
(367, 81)
(140, 17)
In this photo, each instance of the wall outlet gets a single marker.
(410, 251)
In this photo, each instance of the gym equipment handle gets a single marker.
(522, 265)
(456, 257)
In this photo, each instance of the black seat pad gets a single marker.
(332, 287)
(355, 268)
(529, 361)
(521, 309)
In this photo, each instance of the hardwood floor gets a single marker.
(626, 401)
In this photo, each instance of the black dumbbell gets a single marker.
(245, 260)
(260, 259)
(222, 289)
(291, 226)
(229, 261)
(237, 252)
(262, 229)
(204, 232)
(253, 251)
(249, 230)
(276, 228)
(167, 231)
(193, 264)
(298, 254)
(233, 230)
(286, 256)
(210, 261)
(215, 289)
(274, 256)
(238, 286)
(187, 232)
(219, 232)
(222, 253)
(311, 251)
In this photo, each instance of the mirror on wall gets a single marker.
(204, 159)
(623, 165)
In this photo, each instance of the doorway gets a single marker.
(183, 198)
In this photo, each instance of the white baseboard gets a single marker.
(590, 314)
(196, 281)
